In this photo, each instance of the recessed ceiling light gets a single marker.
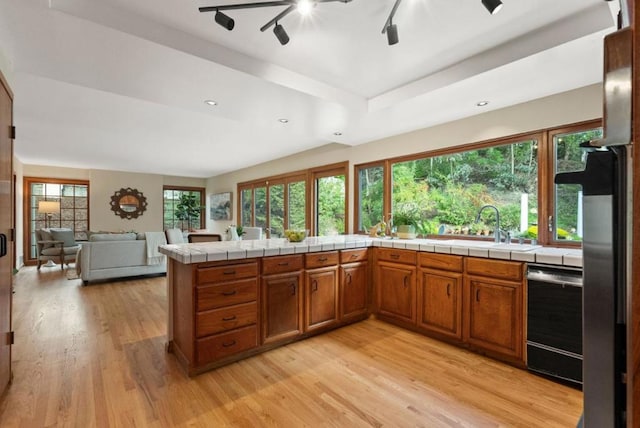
(210, 103)
(304, 7)
(337, 133)
(283, 120)
(482, 103)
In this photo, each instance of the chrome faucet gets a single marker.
(497, 233)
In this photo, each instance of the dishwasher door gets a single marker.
(554, 322)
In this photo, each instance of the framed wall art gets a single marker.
(221, 207)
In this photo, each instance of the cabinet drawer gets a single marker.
(226, 273)
(494, 268)
(397, 256)
(441, 261)
(226, 294)
(316, 260)
(280, 264)
(219, 320)
(352, 256)
(225, 344)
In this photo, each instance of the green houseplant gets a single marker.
(405, 219)
(188, 209)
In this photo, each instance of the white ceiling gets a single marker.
(121, 84)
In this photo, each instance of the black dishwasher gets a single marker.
(554, 322)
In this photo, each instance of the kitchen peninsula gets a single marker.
(230, 300)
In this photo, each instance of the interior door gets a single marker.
(6, 235)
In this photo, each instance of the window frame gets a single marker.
(203, 201)
(546, 173)
(386, 191)
(28, 181)
(308, 176)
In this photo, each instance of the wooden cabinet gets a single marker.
(495, 307)
(282, 298)
(396, 284)
(321, 292)
(226, 311)
(440, 294)
(354, 284)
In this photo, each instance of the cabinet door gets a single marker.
(281, 306)
(353, 290)
(396, 285)
(495, 315)
(440, 302)
(321, 298)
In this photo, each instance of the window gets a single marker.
(73, 196)
(566, 217)
(370, 196)
(275, 204)
(183, 208)
(443, 194)
(330, 187)
(286, 201)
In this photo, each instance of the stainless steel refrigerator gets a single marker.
(607, 210)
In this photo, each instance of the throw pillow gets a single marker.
(66, 236)
(45, 235)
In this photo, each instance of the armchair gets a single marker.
(55, 245)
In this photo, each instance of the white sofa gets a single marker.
(108, 256)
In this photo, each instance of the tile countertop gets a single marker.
(233, 250)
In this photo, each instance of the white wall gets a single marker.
(556, 110)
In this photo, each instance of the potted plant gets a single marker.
(405, 218)
(188, 209)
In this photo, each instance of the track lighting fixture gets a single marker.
(305, 6)
(493, 6)
(392, 34)
(282, 35)
(224, 20)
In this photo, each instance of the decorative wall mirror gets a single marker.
(128, 203)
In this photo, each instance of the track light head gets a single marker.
(282, 35)
(224, 20)
(493, 6)
(392, 34)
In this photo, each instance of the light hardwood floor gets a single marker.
(95, 356)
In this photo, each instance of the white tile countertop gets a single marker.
(233, 250)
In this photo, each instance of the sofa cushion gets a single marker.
(55, 251)
(64, 235)
(97, 237)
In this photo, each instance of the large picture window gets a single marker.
(71, 199)
(183, 208)
(441, 192)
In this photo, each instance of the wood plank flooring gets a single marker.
(95, 357)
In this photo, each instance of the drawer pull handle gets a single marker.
(322, 259)
(394, 256)
(229, 293)
(448, 289)
(283, 264)
(229, 344)
(354, 256)
(231, 318)
(478, 295)
(229, 272)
